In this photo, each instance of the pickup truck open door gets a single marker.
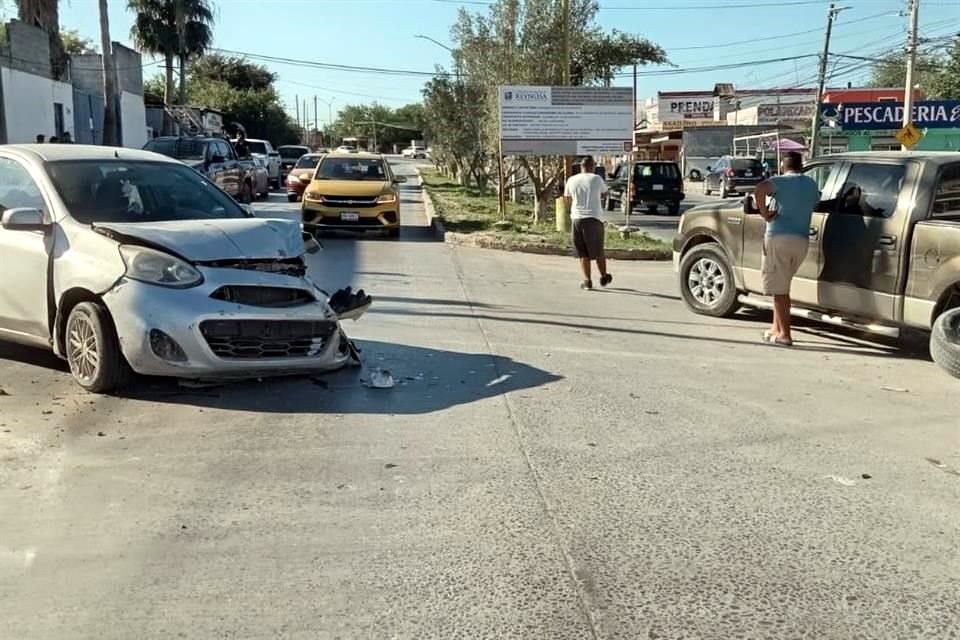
(805, 287)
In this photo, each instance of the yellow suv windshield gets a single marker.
(351, 169)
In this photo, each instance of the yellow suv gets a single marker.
(353, 191)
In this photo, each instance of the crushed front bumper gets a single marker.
(222, 339)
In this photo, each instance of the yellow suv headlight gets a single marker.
(387, 197)
(313, 196)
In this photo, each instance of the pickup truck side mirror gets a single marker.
(709, 168)
(217, 159)
(24, 219)
(750, 206)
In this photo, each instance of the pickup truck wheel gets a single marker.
(246, 194)
(93, 351)
(609, 203)
(723, 190)
(945, 342)
(674, 209)
(706, 187)
(706, 281)
(652, 209)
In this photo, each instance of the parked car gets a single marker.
(355, 191)
(124, 261)
(263, 149)
(414, 152)
(301, 175)
(214, 158)
(884, 249)
(732, 175)
(289, 154)
(346, 148)
(261, 177)
(655, 182)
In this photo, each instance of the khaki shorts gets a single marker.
(782, 257)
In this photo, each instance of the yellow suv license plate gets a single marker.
(349, 216)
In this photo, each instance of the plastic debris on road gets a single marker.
(847, 482)
(380, 379)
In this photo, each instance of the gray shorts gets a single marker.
(588, 234)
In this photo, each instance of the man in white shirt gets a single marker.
(582, 195)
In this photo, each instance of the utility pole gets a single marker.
(565, 8)
(296, 101)
(109, 81)
(911, 63)
(822, 81)
(316, 120)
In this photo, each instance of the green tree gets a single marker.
(946, 83)
(455, 128)
(46, 15)
(174, 29)
(76, 44)
(244, 93)
(518, 42)
(891, 71)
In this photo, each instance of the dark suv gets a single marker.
(733, 175)
(214, 158)
(655, 182)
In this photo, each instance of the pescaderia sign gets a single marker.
(859, 116)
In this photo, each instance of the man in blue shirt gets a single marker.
(787, 239)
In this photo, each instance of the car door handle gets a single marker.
(888, 241)
(734, 220)
(814, 232)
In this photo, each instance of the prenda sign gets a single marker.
(930, 114)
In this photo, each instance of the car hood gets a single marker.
(351, 187)
(213, 240)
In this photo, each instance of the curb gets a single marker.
(482, 241)
(436, 223)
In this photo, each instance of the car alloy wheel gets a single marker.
(83, 352)
(706, 281)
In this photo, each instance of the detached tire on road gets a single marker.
(93, 351)
(945, 342)
(706, 281)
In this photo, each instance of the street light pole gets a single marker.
(822, 80)
(911, 63)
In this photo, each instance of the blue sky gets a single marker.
(695, 33)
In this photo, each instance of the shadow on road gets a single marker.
(873, 350)
(427, 380)
(32, 356)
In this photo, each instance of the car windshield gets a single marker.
(292, 153)
(659, 170)
(351, 169)
(307, 162)
(746, 164)
(179, 148)
(257, 147)
(123, 191)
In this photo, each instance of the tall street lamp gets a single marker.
(453, 52)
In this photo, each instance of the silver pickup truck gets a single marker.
(884, 249)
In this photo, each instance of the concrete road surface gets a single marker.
(551, 464)
(661, 225)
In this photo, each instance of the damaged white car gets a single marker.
(125, 261)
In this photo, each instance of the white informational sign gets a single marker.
(565, 120)
(686, 107)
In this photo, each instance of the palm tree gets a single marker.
(46, 15)
(181, 29)
(194, 20)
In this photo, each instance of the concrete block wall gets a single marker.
(28, 49)
(129, 69)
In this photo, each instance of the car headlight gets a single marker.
(156, 267)
(387, 197)
(314, 196)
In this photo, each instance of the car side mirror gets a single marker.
(249, 210)
(750, 205)
(274, 154)
(310, 243)
(709, 168)
(399, 179)
(217, 159)
(24, 219)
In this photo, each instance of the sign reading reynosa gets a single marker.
(565, 120)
